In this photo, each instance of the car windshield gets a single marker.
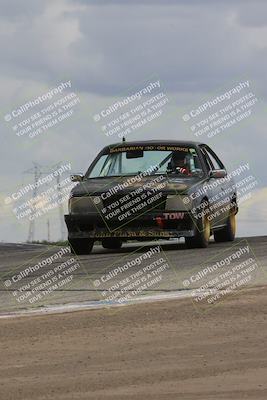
(177, 161)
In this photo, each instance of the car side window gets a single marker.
(207, 160)
(213, 159)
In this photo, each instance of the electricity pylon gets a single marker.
(36, 171)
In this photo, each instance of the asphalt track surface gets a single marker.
(137, 272)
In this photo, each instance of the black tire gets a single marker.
(202, 231)
(81, 246)
(112, 243)
(226, 234)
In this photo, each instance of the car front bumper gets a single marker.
(150, 225)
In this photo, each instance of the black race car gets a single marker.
(152, 190)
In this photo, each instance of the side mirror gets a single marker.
(218, 173)
(76, 178)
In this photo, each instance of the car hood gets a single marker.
(96, 186)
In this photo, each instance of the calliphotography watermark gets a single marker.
(144, 272)
(38, 115)
(48, 192)
(127, 115)
(126, 199)
(221, 112)
(40, 280)
(224, 195)
(222, 276)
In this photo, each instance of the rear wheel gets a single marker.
(81, 246)
(112, 243)
(202, 231)
(227, 234)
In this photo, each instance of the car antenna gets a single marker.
(123, 139)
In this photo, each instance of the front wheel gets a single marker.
(81, 246)
(112, 243)
(202, 230)
(227, 234)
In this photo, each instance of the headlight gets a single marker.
(178, 202)
(85, 204)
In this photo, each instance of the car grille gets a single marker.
(153, 206)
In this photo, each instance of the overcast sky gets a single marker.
(196, 48)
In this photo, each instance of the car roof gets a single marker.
(156, 142)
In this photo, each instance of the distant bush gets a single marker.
(59, 243)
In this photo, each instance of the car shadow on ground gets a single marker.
(141, 247)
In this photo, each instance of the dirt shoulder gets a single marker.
(163, 350)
